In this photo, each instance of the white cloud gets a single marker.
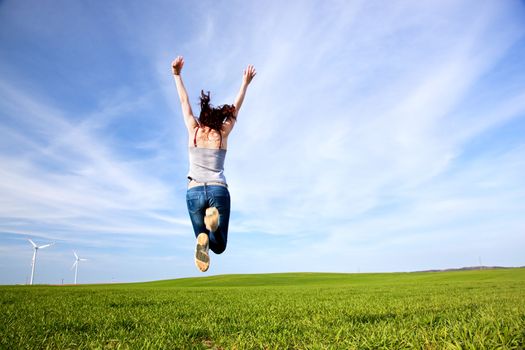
(305, 155)
(71, 179)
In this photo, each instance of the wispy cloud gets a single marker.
(68, 176)
(340, 159)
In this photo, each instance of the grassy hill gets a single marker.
(460, 309)
(299, 279)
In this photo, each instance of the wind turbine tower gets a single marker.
(75, 265)
(35, 250)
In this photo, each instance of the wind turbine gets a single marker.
(75, 265)
(35, 250)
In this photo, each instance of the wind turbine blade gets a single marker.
(76, 256)
(74, 264)
(82, 259)
(45, 246)
(33, 243)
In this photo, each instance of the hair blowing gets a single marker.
(214, 117)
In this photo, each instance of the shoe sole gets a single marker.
(211, 220)
(202, 258)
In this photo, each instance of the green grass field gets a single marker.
(445, 310)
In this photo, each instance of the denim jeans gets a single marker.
(198, 199)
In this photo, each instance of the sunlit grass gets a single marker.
(455, 310)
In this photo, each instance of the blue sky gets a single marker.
(376, 136)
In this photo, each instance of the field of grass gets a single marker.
(445, 310)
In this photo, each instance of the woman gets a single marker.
(208, 198)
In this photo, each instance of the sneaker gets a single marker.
(202, 258)
(211, 220)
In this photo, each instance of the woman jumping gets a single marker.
(208, 198)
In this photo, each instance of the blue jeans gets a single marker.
(198, 199)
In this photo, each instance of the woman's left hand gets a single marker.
(248, 75)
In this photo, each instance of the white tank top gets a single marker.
(207, 164)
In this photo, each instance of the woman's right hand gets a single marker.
(176, 65)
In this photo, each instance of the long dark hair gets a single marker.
(214, 117)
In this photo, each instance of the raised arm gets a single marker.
(189, 118)
(248, 75)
